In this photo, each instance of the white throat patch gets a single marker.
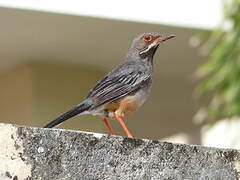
(149, 47)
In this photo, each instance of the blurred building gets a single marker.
(49, 61)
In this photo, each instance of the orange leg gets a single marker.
(120, 120)
(108, 126)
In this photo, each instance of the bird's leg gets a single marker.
(121, 122)
(108, 126)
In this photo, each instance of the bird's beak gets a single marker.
(155, 43)
(164, 38)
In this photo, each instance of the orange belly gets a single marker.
(123, 106)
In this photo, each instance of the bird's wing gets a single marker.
(117, 84)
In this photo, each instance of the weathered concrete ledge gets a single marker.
(35, 153)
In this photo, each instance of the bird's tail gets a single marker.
(72, 112)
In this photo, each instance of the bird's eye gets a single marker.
(147, 38)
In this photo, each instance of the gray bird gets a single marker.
(124, 89)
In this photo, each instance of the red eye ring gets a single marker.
(147, 38)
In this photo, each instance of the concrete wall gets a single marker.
(32, 153)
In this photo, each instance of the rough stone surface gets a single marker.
(35, 153)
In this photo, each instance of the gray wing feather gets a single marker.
(118, 84)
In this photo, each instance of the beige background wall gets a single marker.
(16, 95)
(54, 59)
(59, 87)
(35, 94)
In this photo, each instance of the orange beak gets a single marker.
(164, 38)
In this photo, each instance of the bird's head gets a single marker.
(146, 44)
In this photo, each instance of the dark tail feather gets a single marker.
(65, 116)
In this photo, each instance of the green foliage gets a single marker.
(221, 73)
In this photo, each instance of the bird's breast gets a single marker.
(127, 104)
